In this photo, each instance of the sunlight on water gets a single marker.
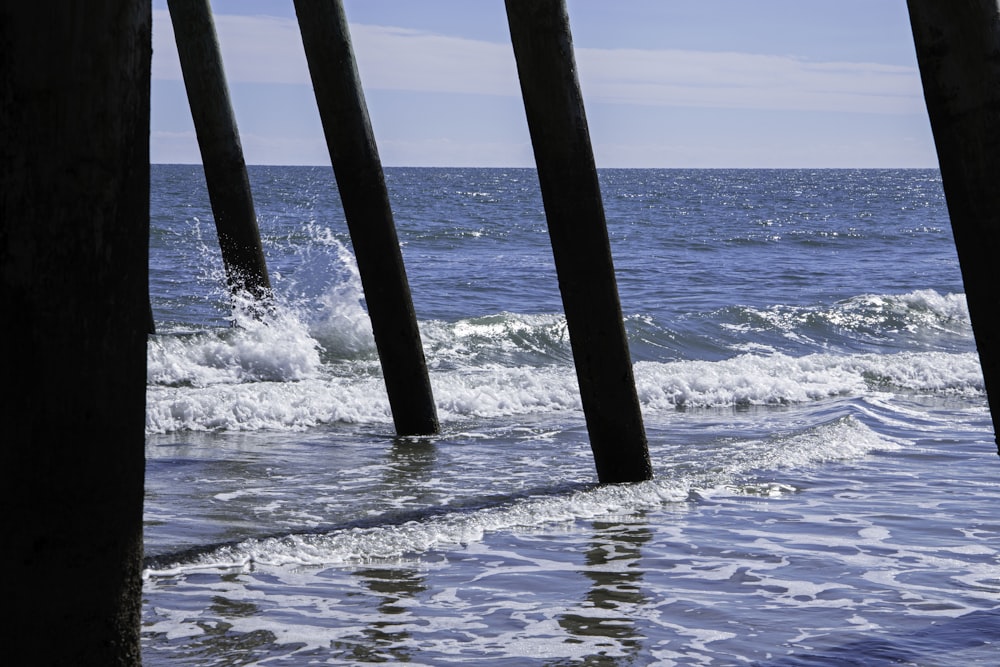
(824, 488)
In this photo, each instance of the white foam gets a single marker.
(311, 360)
(277, 349)
(455, 528)
(337, 317)
(271, 377)
(510, 339)
(885, 313)
(779, 379)
(841, 439)
(266, 405)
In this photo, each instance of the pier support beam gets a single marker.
(74, 238)
(546, 66)
(363, 193)
(221, 150)
(958, 52)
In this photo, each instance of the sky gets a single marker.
(666, 83)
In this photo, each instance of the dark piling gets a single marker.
(221, 150)
(74, 237)
(958, 52)
(361, 182)
(543, 49)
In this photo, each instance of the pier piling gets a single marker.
(958, 53)
(221, 150)
(361, 183)
(543, 49)
(74, 239)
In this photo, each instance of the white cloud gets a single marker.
(264, 49)
(255, 49)
(173, 147)
(447, 153)
(400, 59)
(750, 81)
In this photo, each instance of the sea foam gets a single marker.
(722, 471)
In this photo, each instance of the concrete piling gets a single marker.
(365, 199)
(543, 49)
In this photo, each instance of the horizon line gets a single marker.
(599, 168)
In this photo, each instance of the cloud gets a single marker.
(401, 59)
(255, 49)
(263, 49)
(442, 152)
(751, 81)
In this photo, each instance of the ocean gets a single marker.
(827, 486)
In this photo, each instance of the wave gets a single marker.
(869, 313)
(747, 380)
(920, 318)
(731, 468)
(301, 367)
(780, 379)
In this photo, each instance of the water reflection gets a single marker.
(612, 563)
(218, 642)
(387, 638)
(410, 466)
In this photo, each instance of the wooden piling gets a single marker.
(958, 53)
(543, 49)
(221, 150)
(74, 238)
(363, 193)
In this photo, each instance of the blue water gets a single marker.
(825, 472)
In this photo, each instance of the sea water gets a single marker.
(826, 478)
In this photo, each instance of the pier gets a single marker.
(74, 226)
